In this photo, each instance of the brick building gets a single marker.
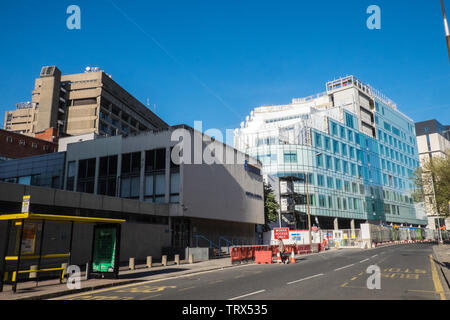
(15, 145)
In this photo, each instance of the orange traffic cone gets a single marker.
(292, 257)
(279, 258)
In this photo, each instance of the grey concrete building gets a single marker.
(167, 203)
(75, 104)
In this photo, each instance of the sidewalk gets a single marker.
(442, 254)
(52, 288)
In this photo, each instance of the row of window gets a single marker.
(22, 142)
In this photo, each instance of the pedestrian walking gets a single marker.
(282, 250)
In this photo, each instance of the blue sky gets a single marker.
(215, 60)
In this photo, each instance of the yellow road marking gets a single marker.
(188, 288)
(344, 284)
(149, 297)
(216, 281)
(145, 289)
(437, 282)
(426, 291)
(354, 278)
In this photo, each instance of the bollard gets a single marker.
(87, 275)
(64, 266)
(164, 261)
(33, 275)
(177, 259)
(191, 258)
(149, 262)
(131, 264)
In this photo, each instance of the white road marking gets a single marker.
(344, 267)
(317, 275)
(374, 256)
(246, 295)
(364, 260)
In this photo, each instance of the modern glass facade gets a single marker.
(44, 170)
(359, 161)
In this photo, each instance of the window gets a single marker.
(349, 120)
(344, 149)
(320, 180)
(34, 145)
(334, 129)
(107, 176)
(155, 160)
(319, 160)
(339, 184)
(70, 175)
(345, 167)
(131, 163)
(330, 182)
(329, 162)
(347, 186)
(22, 142)
(327, 143)
(344, 203)
(318, 139)
(330, 202)
(335, 146)
(174, 187)
(322, 201)
(290, 157)
(9, 139)
(342, 132)
(353, 169)
(337, 164)
(350, 135)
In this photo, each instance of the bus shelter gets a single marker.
(105, 254)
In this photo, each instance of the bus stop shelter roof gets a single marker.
(58, 218)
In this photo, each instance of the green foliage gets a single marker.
(434, 174)
(271, 206)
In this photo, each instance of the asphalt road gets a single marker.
(407, 272)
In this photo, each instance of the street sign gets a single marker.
(282, 233)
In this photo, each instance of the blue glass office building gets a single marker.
(358, 150)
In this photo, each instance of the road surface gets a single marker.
(407, 272)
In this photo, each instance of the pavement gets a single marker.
(406, 272)
(442, 258)
(52, 288)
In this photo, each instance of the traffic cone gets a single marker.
(292, 257)
(279, 258)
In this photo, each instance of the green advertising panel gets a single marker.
(104, 249)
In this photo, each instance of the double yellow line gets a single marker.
(437, 282)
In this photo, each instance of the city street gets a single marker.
(407, 272)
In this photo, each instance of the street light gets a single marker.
(447, 32)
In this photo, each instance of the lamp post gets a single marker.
(447, 32)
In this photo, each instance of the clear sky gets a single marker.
(215, 60)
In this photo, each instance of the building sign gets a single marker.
(282, 233)
(26, 204)
(252, 168)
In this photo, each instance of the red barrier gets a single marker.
(263, 257)
(235, 256)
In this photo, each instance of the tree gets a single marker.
(434, 177)
(271, 206)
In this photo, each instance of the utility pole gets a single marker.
(447, 32)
